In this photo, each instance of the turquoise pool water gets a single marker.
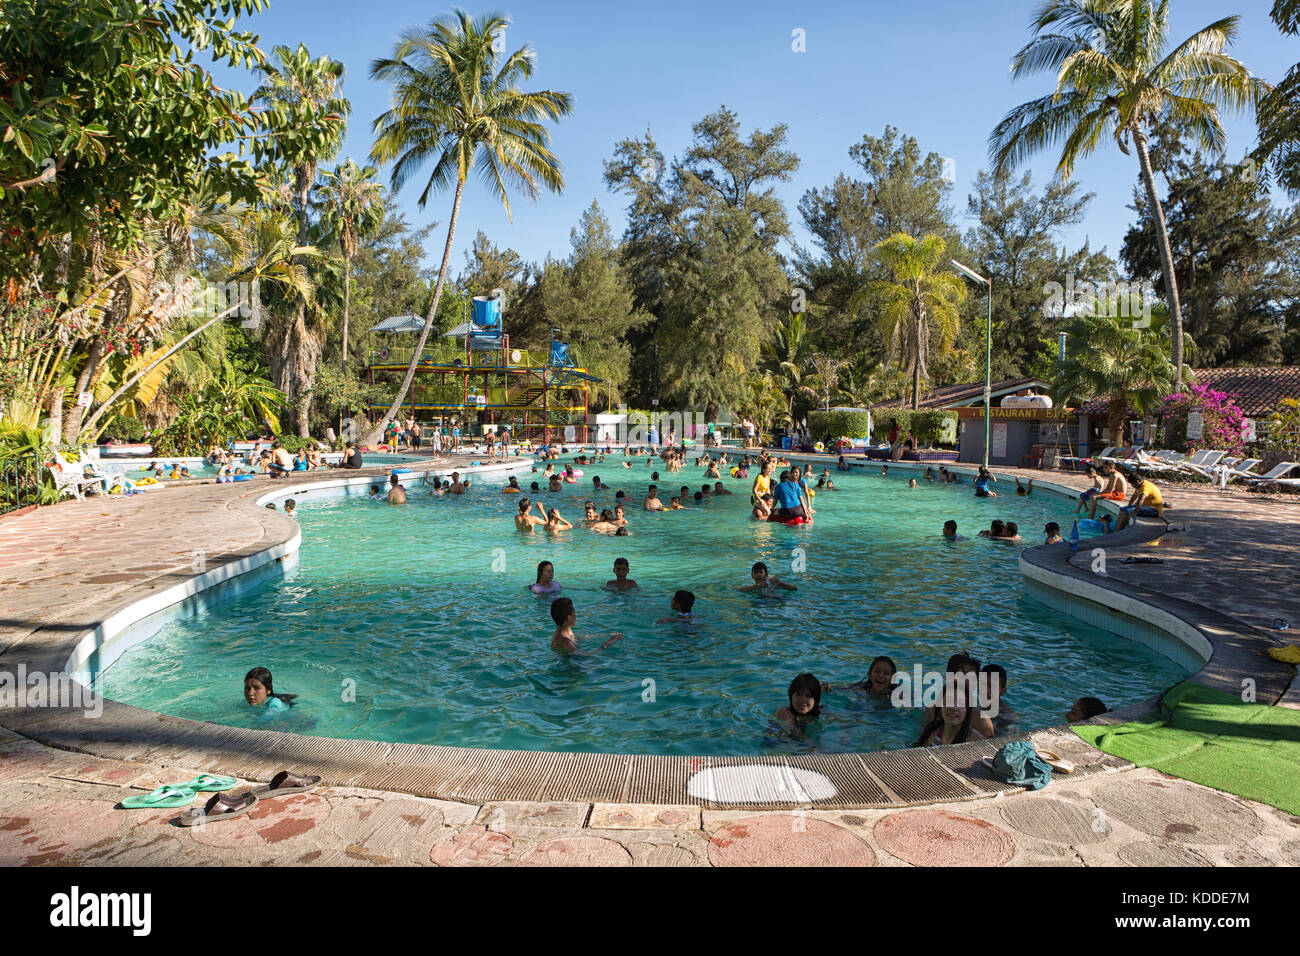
(414, 624)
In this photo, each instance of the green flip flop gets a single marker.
(208, 783)
(164, 797)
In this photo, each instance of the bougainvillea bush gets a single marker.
(1224, 422)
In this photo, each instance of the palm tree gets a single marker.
(273, 260)
(787, 358)
(918, 311)
(453, 106)
(1115, 77)
(308, 121)
(353, 210)
(1105, 355)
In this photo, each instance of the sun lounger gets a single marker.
(1277, 473)
(1074, 460)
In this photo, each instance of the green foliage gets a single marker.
(842, 424)
(1281, 431)
(885, 419)
(928, 424)
(1279, 111)
(110, 126)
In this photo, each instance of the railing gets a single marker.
(20, 483)
(478, 359)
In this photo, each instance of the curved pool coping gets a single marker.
(1228, 649)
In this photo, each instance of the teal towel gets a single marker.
(1018, 763)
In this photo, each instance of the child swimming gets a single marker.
(546, 583)
(805, 696)
(681, 606)
(764, 582)
(259, 692)
(563, 640)
(620, 581)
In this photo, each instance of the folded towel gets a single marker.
(1018, 763)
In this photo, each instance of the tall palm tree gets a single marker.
(1115, 76)
(453, 105)
(353, 210)
(917, 311)
(1105, 355)
(308, 119)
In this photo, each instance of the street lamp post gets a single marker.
(988, 353)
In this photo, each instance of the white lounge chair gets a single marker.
(69, 479)
(1075, 460)
(1276, 473)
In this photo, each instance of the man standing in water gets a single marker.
(396, 493)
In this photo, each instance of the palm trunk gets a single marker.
(372, 437)
(1166, 259)
(1116, 413)
(72, 426)
(108, 403)
(347, 302)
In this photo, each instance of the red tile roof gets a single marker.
(1257, 390)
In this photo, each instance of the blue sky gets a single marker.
(937, 70)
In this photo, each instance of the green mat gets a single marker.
(1212, 738)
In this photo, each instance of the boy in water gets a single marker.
(950, 531)
(764, 582)
(996, 675)
(621, 581)
(681, 605)
(720, 489)
(652, 502)
(564, 641)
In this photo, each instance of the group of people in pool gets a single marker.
(958, 717)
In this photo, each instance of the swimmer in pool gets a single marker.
(259, 692)
(620, 581)
(512, 488)
(546, 583)
(879, 682)
(525, 521)
(681, 605)
(719, 489)
(563, 640)
(555, 523)
(805, 695)
(765, 582)
(605, 523)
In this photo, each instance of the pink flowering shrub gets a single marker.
(1224, 422)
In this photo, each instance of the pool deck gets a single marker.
(1229, 570)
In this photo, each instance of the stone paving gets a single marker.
(1229, 551)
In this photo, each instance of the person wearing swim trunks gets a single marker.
(281, 462)
(1114, 488)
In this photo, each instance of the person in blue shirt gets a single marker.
(982, 481)
(259, 692)
(789, 500)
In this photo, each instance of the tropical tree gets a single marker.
(353, 210)
(787, 359)
(456, 106)
(307, 119)
(1279, 112)
(917, 312)
(1116, 77)
(1106, 355)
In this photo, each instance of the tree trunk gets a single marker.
(347, 303)
(1166, 259)
(1116, 413)
(108, 402)
(372, 437)
(72, 426)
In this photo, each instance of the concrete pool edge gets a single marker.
(840, 781)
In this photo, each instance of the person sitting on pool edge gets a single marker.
(396, 494)
(764, 582)
(682, 604)
(260, 692)
(805, 696)
(1145, 503)
(563, 640)
(620, 581)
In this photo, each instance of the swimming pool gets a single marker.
(415, 624)
(202, 468)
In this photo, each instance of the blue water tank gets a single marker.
(785, 442)
(487, 312)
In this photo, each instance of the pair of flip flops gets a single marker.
(173, 795)
(224, 806)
